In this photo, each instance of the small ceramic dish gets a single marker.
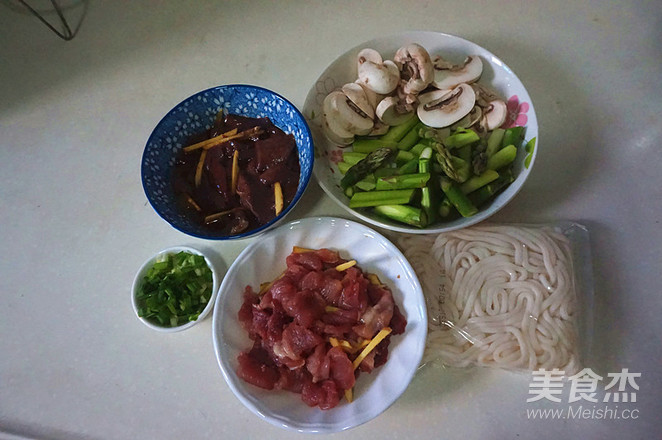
(160, 256)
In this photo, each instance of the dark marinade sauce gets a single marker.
(263, 160)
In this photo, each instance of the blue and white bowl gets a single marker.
(195, 115)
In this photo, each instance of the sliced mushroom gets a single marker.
(415, 67)
(368, 54)
(441, 108)
(448, 77)
(483, 95)
(379, 129)
(348, 116)
(357, 95)
(408, 100)
(391, 112)
(473, 117)
(380, 76)
(481, 127)
(495, 114)
(333, 128)
(335, 138)
(371, 95)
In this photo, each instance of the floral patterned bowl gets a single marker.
(195, 115)
(496, 75)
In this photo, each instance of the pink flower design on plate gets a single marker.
(516, 116)
(335, 156)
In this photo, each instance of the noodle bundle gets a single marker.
(498, 296)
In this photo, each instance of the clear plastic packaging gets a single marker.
(511, 296)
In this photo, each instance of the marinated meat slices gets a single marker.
(309, 325)
(204, 178)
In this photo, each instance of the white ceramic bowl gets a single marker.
(496, 74)
(264, 260)
(143, 271)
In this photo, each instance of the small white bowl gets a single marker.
(143, 271)
(263, 260)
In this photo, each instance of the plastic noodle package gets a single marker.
(506, 295)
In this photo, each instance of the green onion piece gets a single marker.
(169, 292)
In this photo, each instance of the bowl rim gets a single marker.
(137, 281)
(284, 421)
(482, 215)
(304, 175)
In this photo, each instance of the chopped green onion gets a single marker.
(175, 289)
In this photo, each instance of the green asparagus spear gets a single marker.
(475, 182)
(397, 132)
(425, 154)
(479, 159)
(464, 153)
(494, 141)
(448, 162)
(404, 181)
(386, 171)
(410, 139)
(436, 134)
(428, 196)
(463, 205)
(462, 168)
(404, 214)
(402, 157)
(352, 157)
(529, 147)
(445, 208)
(512, 136)
(376, 198)
(408, 168)
(367, 183)
(483, 194)
(367, 146)
(418, 148)
(366, 166)
(465, 168)
(460, 138)
(343, 167)
(501, 158)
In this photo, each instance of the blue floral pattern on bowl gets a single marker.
(195, 115)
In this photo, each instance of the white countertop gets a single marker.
(75, 225)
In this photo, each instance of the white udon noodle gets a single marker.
(498, 296)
